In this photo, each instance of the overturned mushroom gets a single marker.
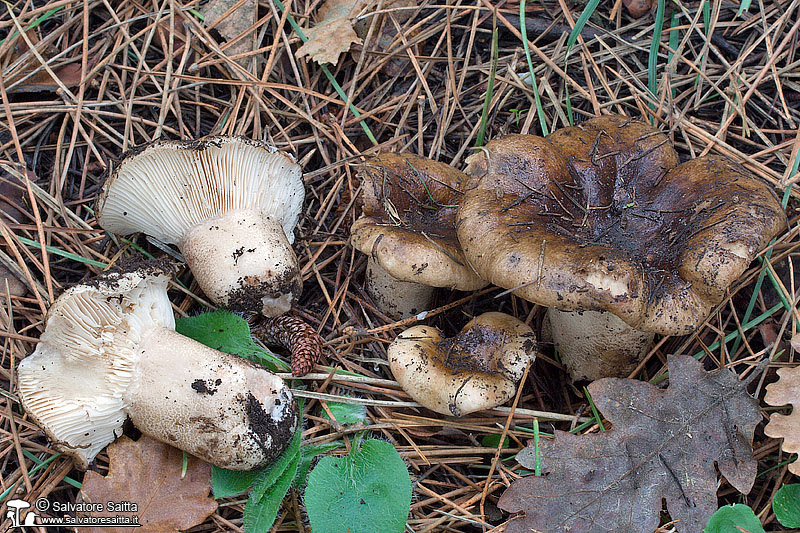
(229, 203)
(110, 351)
(477, 369)
(601, 218)
(407, 232)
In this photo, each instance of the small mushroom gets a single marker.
(110, 351)
(407, 231)
(601, 217)
(477, 369)
(230, 204)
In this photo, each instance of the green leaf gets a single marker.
(229, 333)
(226, 483)
(290, 455)
(260, 511)
(346, 413)
(491, 441)
(737, 518)
(786, 505)
(366, 491)
(307, 454)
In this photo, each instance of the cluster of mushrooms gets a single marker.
(110, 351)
(598, 222)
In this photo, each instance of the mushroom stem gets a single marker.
(220, 408)
(398, 299)
(242, 259)
(596, 344)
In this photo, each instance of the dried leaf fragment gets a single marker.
(236, 21)
(784, 392)
(148, 473)
(664, 444)
(23, 79)
(638, 8)
(334, 32)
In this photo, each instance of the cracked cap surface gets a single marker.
(602, 217)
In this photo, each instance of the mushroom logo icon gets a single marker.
(14, 507)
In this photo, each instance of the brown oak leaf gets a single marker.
(334, 32)
(233, 25)
(663, 445)
(22, 78)
(787, 427)
(148, 473)
(638, 8)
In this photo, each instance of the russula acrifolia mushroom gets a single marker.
(601, 218)
(407, 231)
(476, 369)
(110, 351)
(230, 204)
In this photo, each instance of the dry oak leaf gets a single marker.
(235, 23)
(783, 392)
(334, 32)
(148, 473)
(663, 445)
(638, 8)
(23, 79)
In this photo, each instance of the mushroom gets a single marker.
(110, 351)
(477, 369)
(407, 231)
(230, 204)
(601, 218)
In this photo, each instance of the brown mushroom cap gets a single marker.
(409, 209)
(601, 217)
(477, 369)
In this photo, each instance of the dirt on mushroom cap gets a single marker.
(409, 210)
(601, 217)
(476, 369)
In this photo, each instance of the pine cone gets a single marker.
(296, 336)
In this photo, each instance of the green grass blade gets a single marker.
(706, 16)
(652, 59)
(729, 337)
(58, 251)
(673, 45)
(38, 461)
(329, 75)
(49, 13)
(581, 22)
(745, 326)
(573, 36)
(536, 97)
(537, 465)
(487, 100)
(744, 6)
(598, 419)
(757, 287)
